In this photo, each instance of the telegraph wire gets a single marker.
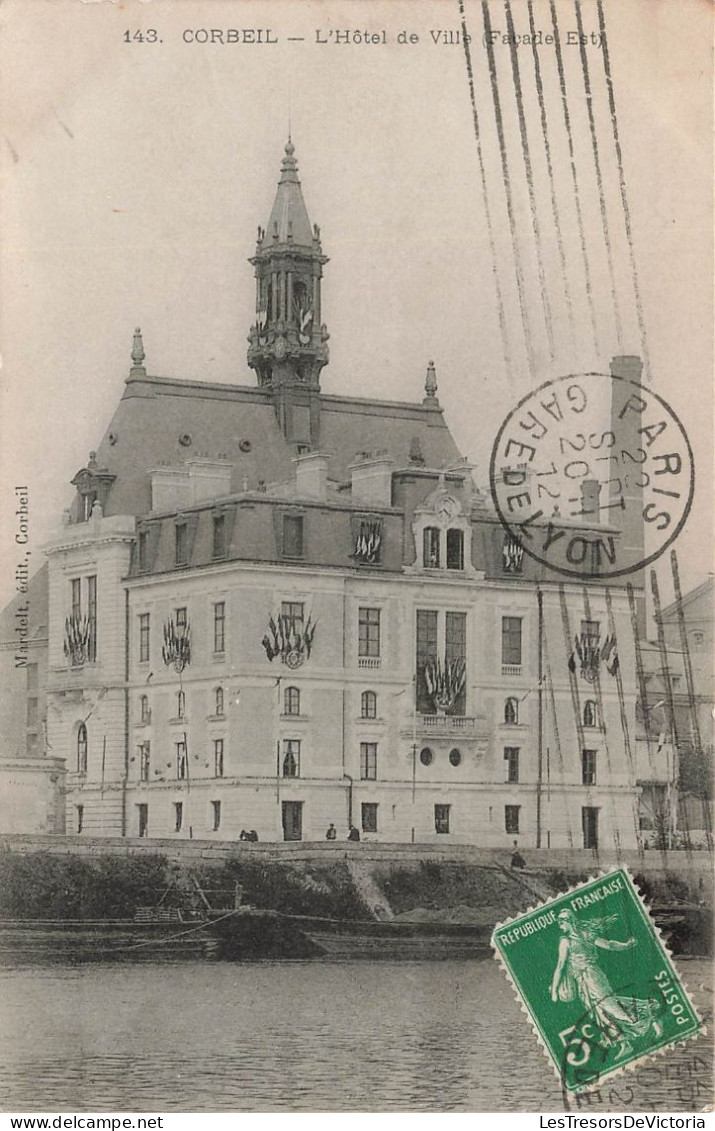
(549, 166)
(546, 306)
(574, 175)
(597, 166)
(485, 195)
(603, 730)
(624, 720)
(557, 737)
(622, 185)
(507, 184)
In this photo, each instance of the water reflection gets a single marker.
(293, 1036)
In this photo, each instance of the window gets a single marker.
(144, 761)
(455, 648)
(76, 597)
(291, 701)
(142, 820)
(369, 632)
(292, 536)
(216, 814)
(218, 757)
(144, 712)
(455, 549)
(441, 818)
(292, 614)
(588, 767)
(80, 818)
(82, 749)
(590, 713)
(218, 701)
(591, 632)
(430, 547)
(220, 626)
(182, 765)
(369, 817)
(291, 758)
(368, 761)
(426, 756)
(180, 618)
(181, 544)
(92, 617)
(511, 711)
(455, 756)
(143, 638)
(589, 824)
(178, 816)
(368, 705)
(511, 818)
(180, 704)
(426, 649)
(511, 640)
(143, 549)
(511, 757)
(218, 545)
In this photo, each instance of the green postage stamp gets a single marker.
(599, 986)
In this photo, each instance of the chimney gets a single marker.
(169, 488)
(590, 499)
(311, 475)
(371, 478)
(208, 479)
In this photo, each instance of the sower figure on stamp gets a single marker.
(619, 1018)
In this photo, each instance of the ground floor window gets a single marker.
(142, 819)
(369, 817)
(589, 823)
(441, 818)
(216, 814)
(511, 818)
(178, 816)
(80, 818)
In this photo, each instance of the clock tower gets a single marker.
(288, 342)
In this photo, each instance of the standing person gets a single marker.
(620, 1018)
(517, 860)
(331, 834)
(353, 834)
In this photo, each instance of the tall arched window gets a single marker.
(219, 700)
(590, 713)
(511, 711)
(368, 705)
(430, 547)
(180, 704)
(291, 701)
(144, 714)
(82, 749)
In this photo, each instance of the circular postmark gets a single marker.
(593, 475)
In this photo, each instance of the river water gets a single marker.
(301, 1036)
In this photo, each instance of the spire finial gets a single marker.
(431, 381)
(138, 354)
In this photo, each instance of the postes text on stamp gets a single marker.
(599, 986)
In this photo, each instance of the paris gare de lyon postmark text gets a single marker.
(596, 981)
(586, 468)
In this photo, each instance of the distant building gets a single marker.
(274, 608)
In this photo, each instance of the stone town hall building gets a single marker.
(274, 608)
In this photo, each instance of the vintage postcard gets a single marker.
(356, 556)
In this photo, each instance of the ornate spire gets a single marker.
(431, 383)
(138, 354)
(288, 222)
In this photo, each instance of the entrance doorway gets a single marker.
(292, 820)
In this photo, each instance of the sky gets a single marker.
(135, 174)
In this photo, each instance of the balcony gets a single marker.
(370, 663)
(511, 669)
(445, 726)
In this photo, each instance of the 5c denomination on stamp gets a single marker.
(599, 986)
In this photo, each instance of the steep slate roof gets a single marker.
(156, 412)
(289, 216)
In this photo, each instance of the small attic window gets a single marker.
(181, 544)
(303, 449)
